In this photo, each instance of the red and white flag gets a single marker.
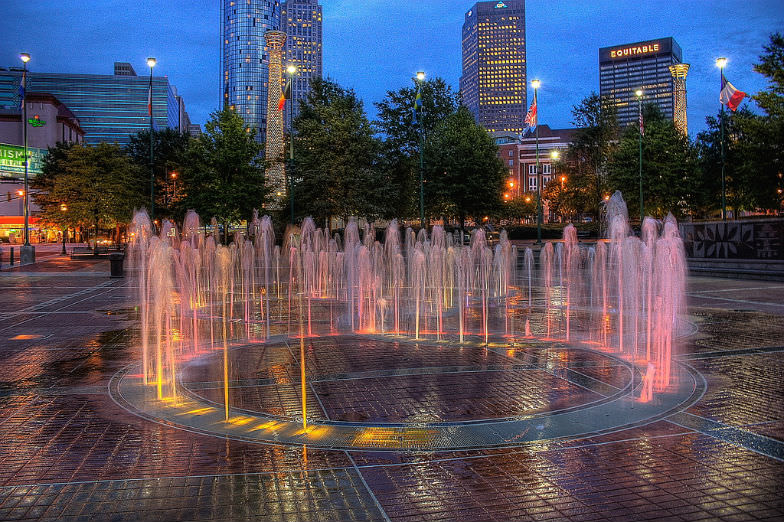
(730, 96)
(149, 100)
(530, 117)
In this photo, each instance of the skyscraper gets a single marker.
(244, 60)
(301, 20)
(110, 108)
(493, 83)
(623, 69)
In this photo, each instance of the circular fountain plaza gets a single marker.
(410, 343)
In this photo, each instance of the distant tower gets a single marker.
(276, 174)
(301, 21)
(244, 58)
(679, 72)
(493, 83)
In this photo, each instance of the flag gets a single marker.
(417, 104)
(284, 95)
(530, 117)
(149, 100)
(642, 124)
(22, 86)
(730, 96)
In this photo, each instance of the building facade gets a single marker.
(48, 122)
(301, 21)
(245, 59)
(110, 108)
(624, 69)
(494, 78)
(519, 157)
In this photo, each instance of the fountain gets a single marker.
(197, 298)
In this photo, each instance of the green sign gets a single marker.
(12, 160)
(36, 121)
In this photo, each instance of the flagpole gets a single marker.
(151, 62)
(539, 218)
(721, 62)
(642, 203)
(420, 79)
(25, 58)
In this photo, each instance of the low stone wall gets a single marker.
(744, 239)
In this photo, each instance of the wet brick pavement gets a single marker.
(69, 452)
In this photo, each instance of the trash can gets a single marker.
(116, 264)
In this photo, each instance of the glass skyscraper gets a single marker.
(493, 83)
(110, 108)
(244, 60)
(302, 25)
(623, 69)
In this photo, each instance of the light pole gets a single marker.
(291, 70)
(721, 63)
(535, 84)
(28, 251)
(151, 63)
(418, 106)
(639, 93)
(64, 209)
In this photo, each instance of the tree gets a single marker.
(520, 207)
(463, 175)
(336, 164)
(100, 186)
(587, 156)
(669, 166)
(169, 154)
(401, 136)
(223, 170)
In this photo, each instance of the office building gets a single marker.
(110, 108)
(624, 69)
(493, 83)
(301, 21)
(245, 60)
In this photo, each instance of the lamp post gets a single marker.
(151, 63)
(421, 78)
(27, 250)
(639, 93)
(721, 63)
(535, 84)
(291, 70)
(64, 209)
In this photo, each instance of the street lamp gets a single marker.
(28, 251)
(639, 93)
(291, 70)
(721, 63)
(421, 78)
(63, 209)
(535, 84)
(151, 63)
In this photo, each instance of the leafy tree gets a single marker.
(336, 157)
(463, 174)
(586, 159)
(669, 166)
(224, 174)
(169, 156)
(520, 207)
(100, 186)
(401, 136)
(753, 144)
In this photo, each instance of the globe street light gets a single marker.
(639, 93)
(64, 209)
(28, 251)
(721, 63)
(291, 70)
(421, 78)
(151, 63)
(535, 84)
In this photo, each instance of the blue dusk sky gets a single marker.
(374, 46)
